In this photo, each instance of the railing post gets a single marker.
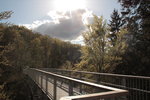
(70, 88)
(98, 79)
(61, 72)
(38, 75)
(80, 77)
(124, 82)
(81, 88)
(46, 84)
(55, 89)
(69, 73)
(41, 81)
(33, 74)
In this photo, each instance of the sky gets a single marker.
(63, 19)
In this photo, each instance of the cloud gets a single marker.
(67, 25)
(35, 24)
(78, 40)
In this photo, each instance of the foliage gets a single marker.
(3, 96)
(115, 53)
(5, 15)
(95, 40)
(137, 16)
(19, 48)
(99, 54)
(115, 25)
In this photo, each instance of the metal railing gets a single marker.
(57, 87)
(138, 86)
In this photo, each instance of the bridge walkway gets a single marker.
(59, 87)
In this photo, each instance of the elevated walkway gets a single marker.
(64, 87)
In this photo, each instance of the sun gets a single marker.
(69, 5)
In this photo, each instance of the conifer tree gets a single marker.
(115, 25)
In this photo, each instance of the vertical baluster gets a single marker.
(55, 89)
(146, 84)
(142, 87)
(38, 78)
(35, 75)
(124, 82)
(98, 79)
(69, 73)
(61, 72)
(80, 77)
(70, 88)
(136, 87)
(41, 81)
(127, 87)
(46, 84)
(147, 89)
(139, 87)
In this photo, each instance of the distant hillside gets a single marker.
(21, 48)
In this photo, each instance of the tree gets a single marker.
(20, 47)
(137, 15)
(5, 15)
(95, 41)
(115, 25)
(3, 96)
(115, 53)
(36, 52)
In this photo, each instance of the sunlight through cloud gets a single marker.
(69, 5)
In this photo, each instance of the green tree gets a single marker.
(36, 53)
(20, 47)
(95, 41)
(115, 53)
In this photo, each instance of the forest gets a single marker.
(120, 45)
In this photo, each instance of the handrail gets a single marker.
(94, 96)
(79, 81)
(111, 91)
(96, 73)
(137, 85)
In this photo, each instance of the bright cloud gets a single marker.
(64, 25)
(35, 24)
(78, 40)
